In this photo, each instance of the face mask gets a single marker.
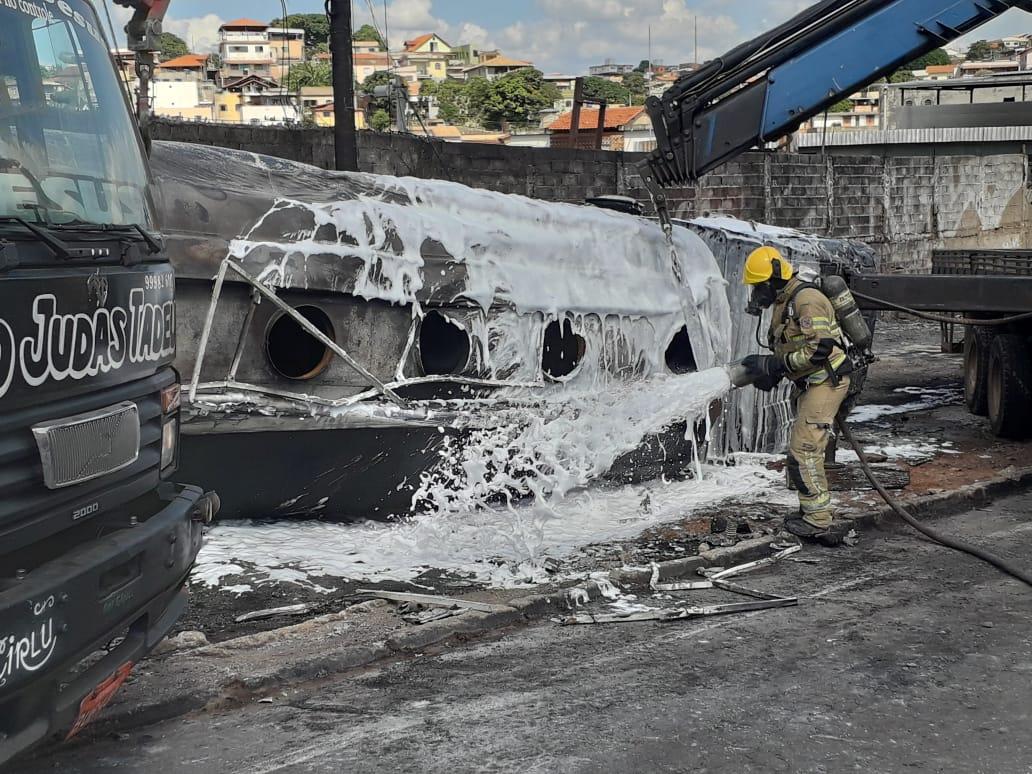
(762, 297)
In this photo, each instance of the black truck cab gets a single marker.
(95, 540)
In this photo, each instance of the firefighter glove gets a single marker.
(766, 371)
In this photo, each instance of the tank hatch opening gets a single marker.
(680, 357)
(563, 350)
(444, 346)
(292, 352)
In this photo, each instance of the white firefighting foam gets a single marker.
(563, 441)
(526, 262)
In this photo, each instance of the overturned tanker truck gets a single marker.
(337, 328)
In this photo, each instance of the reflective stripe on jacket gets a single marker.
(805, 332)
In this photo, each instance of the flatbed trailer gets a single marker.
(990, 285)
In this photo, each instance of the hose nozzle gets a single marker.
(740, 375)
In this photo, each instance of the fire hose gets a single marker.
(941, 318)
(950, 542)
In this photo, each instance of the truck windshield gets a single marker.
(68, 150)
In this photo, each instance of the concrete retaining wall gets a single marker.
(904, 207)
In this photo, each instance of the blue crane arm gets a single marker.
(766, 88)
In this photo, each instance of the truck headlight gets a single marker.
(169, 441)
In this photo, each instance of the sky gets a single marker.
(559, 36)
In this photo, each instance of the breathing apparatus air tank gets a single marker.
(847, 312)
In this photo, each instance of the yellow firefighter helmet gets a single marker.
(759, 266)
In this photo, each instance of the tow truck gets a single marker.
(95, 540)
(764, 89)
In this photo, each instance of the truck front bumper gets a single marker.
(75, 622)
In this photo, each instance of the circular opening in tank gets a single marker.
(680, 357)
(444, 347)
(563, 350)
(292, 351)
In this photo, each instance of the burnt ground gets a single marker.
(910, 366)
(901, 656)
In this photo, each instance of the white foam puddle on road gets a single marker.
(905, 450)
(928, 398)
(553, 450)
(498, 547)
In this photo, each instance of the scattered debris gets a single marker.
(730, 572)
(679, 613)
(182, 641)
(427, 615)
(273, 612)
(684, 586)
(716, 579)
(435, 601)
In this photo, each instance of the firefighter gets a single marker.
(806, 342)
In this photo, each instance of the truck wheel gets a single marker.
(1010, 387)
(977, 341)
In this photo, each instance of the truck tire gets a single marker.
(1010, 387)
(977, 341)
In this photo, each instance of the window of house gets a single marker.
(1008, 99)
(259, 49)
(222, 109)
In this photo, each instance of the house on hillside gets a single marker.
(288, 49)
(495, 67)
(936, 73)
(184, 88)
(311, 96)
(245, 49)
(325, 115)
(365, 46)
(980, 69)
(368, 62)
(188, 67)
(625, 129)
(256, 100)
(429, 54)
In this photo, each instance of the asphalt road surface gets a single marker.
(902, 656)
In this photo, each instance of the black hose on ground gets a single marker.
(941, 318)
(950, 542)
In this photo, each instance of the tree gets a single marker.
(380, 121)
(369, 32)
(315, 25)
(517, 97)
(842, 106)
(476, 95)
(172, 46)
(379, 78)
(643, 66)
(934, 58)
(309, 74)
(636, 87)
(453, 102)
(369, 86)
(601, 88)
(979, 51)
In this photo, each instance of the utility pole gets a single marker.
(344, 140)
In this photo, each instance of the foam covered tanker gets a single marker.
(343, 332)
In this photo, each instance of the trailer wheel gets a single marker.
(977, 341)
(1010, 387)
